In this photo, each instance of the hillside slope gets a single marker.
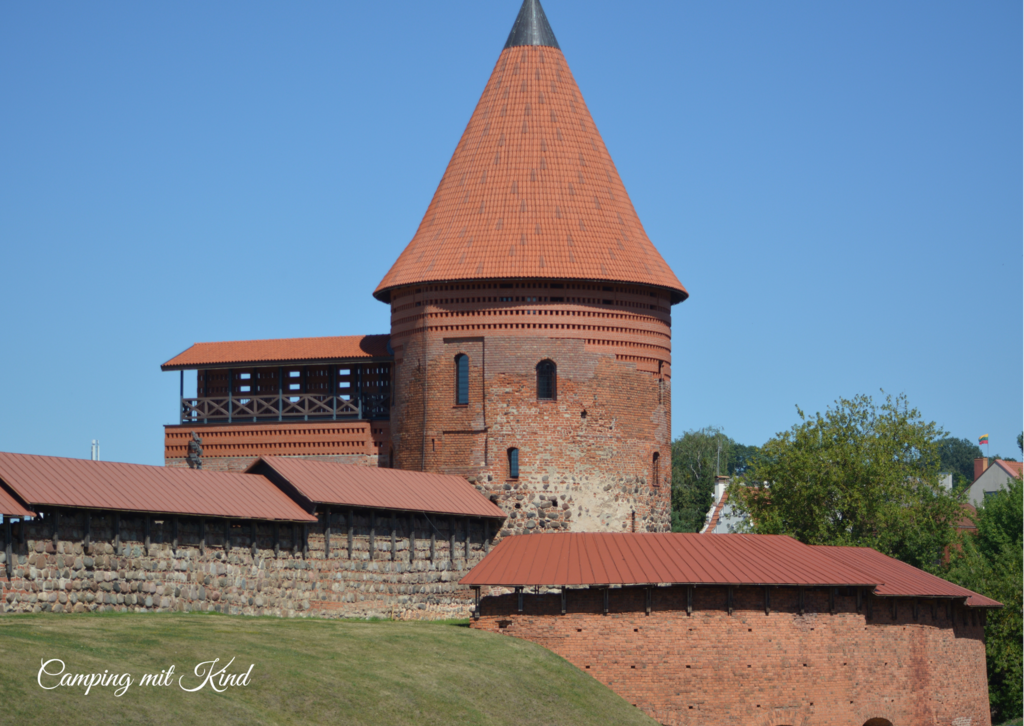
(305, 671)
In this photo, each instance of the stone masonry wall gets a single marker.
(919, 665)
(373, 574)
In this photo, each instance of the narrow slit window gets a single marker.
(461, 379)
(513, 463)
(656, 469)
(546, 380)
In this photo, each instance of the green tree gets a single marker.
(861, 474)
(695, 456)
(957, 457)
(991, 562)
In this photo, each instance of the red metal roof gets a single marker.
(531, 192)
(901, 579)
(634, 559)
(11, 507)
(327, 482)
(57, 482)
(283, 350)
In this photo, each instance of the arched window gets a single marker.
(547, 377)
(656, 469)
(461, 379)
(513, 463)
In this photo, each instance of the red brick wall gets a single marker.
(822, 668)
(585, 459)
(233, 447)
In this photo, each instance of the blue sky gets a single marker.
(838, 185)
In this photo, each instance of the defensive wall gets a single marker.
(359, 563)
(719, 656)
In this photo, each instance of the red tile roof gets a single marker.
(327, 482)
(57, 482)
(1013, 468)
(636, 559)
(11, 507)
(716, 515)
(284, 350)
(531, 192)
(900, 579)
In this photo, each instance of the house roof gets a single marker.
(716, 514)
(57, 482)
(1013, 468)
(898, 579)
(282, 350)
(531, 191)
(11, 507)
(330, 483)
(635, 559)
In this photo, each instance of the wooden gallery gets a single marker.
(504, 450)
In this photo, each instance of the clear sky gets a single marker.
(838, 185)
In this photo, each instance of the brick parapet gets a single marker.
(295, 579)
(922, 664)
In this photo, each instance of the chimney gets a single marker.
(979, 467)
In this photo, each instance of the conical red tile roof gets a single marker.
(531, 191)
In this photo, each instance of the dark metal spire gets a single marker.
(531, 27)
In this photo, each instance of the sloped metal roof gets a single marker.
(282, 350)
(11, 507)
(900, 579)
(57, 482)
(636, 559)
(330, 483)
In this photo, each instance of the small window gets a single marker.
(656, 469)
(513, 463)
(547, 374)
(461, 379)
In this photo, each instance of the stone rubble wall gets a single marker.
(67, 574)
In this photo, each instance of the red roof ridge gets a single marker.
(1013, 468)
(716, 514)
(281, 350)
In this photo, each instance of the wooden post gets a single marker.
(689, 600)
(88, 532)
(728, 599)
(860, 598)
(56, 529)
(915, 608)
(327, 533)
(832, 600)
(277, 539)
(469, 537)
(305, 541)
(174, 534)
(767, 600)
(487, 536)
(476, 598)
(117, 533)
(451, 541)
(433, 545)
(412, 539)
(351, 531)
(650, 598)
(145, 529)
(253, 546)
(8, 552)
(227, 536)
(394, 539)
(296, 547)
(202, 536)
(894, 608)
(605, 591)
(519, 596)
(800, 599)
(373, 532)
(563, 599)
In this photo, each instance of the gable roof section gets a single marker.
(11, 507)
(347, 485)
(900, 579)
(531, 191)
(57, 482)
(1013, 468)
(282, 350)
(663, 558)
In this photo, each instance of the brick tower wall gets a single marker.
(586, 459)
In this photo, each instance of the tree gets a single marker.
(957, 457)
(695, 456)
(861, 474)
(991, 562)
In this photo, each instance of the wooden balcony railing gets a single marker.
(284, 407)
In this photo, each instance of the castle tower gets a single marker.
(531, 315)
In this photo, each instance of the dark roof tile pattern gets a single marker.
(531, 192)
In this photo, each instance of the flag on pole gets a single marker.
(983, 440)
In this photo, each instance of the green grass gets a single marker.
(306, 671)
(1014, 722)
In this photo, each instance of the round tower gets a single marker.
(531, 315)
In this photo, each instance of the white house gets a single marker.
(989, 479)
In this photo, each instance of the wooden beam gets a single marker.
(394, 539)
(605, 591)
(305, 541)
(728, 599)
(476, 598)
(174, 534)
(650, 599)
(117, 533)
(860, 598)
(56, 529)
(412, 538)
(563, 599)
(373, 532)
(433, 545)
(800, 599)
(451, 541)
(253, 546)
(350, 523)
(227, 535)
(894, 608)
(689, 600)
(202, 535)
(832, 600)
(519, 596)
(767, 600)
(8, 550)
(327, 533)
(145, 530)
(277, 539)
(86, 541)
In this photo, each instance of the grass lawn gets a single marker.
(305, 671)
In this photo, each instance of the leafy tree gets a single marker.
(861, 474)
(695, 456)
(957, 457)
(991, 562)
